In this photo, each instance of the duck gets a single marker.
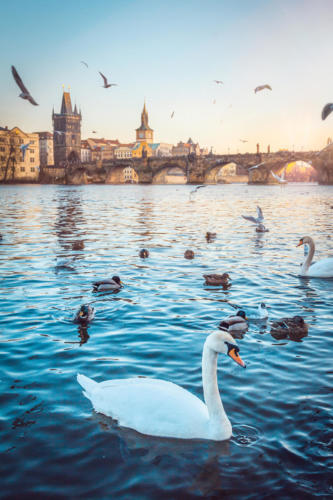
(189, 254)
(235, 323)
(295, 328)
(161, 408)
(85, 314)
(321, 269)
(210, 236)
(108, 284)
(217, 279)
(144, 254)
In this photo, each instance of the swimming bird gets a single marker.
(189, 254)
(279, 178)
(262, 87)
(262, 312)
(143, 253)
(24, 148)
(217, 279)
(295, 328)
(84, 64)
(327, 109)
(109, 284)
(106, 83)
(160, 408)
(235, 323)
(25, 93)
(321, 269)
(85, 314)
(210, 236)
(218, 82)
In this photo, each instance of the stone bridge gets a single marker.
(201, 169)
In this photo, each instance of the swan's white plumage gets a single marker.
(161, 408)
(143, 404)
(321, 269)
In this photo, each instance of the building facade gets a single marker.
(19, 156)
(185, 148)
(66, 133)
(46, 156)
(123, 151)
(144, 133)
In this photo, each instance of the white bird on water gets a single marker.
(321, 269)
(160, 408)
(258, 221)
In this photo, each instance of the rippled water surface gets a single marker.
(58, 239)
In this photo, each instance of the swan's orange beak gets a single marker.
(235, 356)
(300, 243)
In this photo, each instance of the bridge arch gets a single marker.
(170, 173)
(224, 172)
(121, 174)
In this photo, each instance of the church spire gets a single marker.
(66, 105)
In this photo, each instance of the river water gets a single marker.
(58, 239)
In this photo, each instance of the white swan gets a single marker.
(160, 408)
(321, 269)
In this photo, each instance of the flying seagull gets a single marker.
(93, 132)
(256, 166)
(106, 83)
(24, 147)
(326, 110)
(172, 114)
(196, 189)
(279, 178)
(84, 64)
(243, 140)
(25, 93)
(258, 221)
(262, 87)
(218, 81)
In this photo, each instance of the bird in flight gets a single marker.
(256, 166)
(258, 221)
(243, 140)
(106, 83)
(25, 93)
(84, 64)
(93, 132)
(24, 148)
(262, 87)
(326, 110)
(172, 114)
(279, 178)
(218, 82)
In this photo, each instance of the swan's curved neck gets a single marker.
(217, 416)
(308, 260)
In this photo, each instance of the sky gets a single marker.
(170, 53)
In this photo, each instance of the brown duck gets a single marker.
(294, 328)
(217, 279)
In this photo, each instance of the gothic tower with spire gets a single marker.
(66, 133)
(144, 133)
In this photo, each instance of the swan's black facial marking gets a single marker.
(231, 347)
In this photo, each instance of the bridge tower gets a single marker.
(66, 132)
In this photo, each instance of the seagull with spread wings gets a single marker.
(326, 110)
(218, 82)
(281, 179)
(258, 221)
(106, 83)
(256, 166)
(84, 63)
(24, 148)
(25, 93)
(262, 87)
(195, 190)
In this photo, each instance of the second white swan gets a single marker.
(321, 269)
(160, 408)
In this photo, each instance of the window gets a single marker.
(22, 169)
(2, 158)
(20, 141)
(32, 169)
(32, 160)
(2, 149)
(3, 169)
